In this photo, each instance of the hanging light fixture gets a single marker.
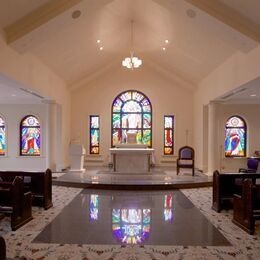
(132, 62)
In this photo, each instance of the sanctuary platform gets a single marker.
(158, 178)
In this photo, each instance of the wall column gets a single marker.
(50, 135)
(212, 138)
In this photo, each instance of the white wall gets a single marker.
(166, 96)
(239, 69)
(13, 114)
(251, 114)
(31, 73)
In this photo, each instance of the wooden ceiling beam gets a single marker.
(229, 16)
(37, 18)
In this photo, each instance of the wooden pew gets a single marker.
(39, 183)
(227, 184)
(2, 249)
(15, 202)
(247, 206)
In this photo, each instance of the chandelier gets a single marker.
(132, 62)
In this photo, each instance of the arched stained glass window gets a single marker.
(30, 143)
(131, 119)
(2, 137)
(235, 137)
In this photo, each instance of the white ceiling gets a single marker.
(248, 93)
(13, 93)
(196, 45)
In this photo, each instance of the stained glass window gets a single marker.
(93, 207)
(30, 141)
(94, 135)
(168, 134)
(235, 137)
(131, 114)
(131, 226)
(2, 137)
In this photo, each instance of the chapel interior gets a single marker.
(119, 122)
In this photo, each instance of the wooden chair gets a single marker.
(186, 158)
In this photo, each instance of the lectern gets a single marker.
(76, 153)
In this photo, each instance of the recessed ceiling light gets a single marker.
(253, 95)
(76, 14)
(191, 13)
(101, 48)
(98, 41)
(166, 41)
(164, 49)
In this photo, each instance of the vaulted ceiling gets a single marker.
(202, 34)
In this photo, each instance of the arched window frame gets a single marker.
(3, 129)
(121, 112)
(245, 135)
(21, 127)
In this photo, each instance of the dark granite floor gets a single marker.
(130, 217)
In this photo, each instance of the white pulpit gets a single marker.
(76, 154)
(134, 159)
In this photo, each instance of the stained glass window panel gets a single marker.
(235, 137)
(131, 121)
(94, 135)
(94, 122)
(131, 106)
(117, 105)
(147, 137)
(30, 121)
(116, 120)
(116, 136)
(132, 114)
(147, 121)
(30, 137)
(137, 96)
(168, 134)
(235, 122)
(168, 151)
(126, 96)
(146, 105)
(168, 138)
(2, 137)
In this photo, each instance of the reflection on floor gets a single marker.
(20, 245)
(127, 217)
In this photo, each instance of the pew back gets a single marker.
(247, 206)
(39, 183)
(227, 184)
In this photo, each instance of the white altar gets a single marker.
(133, 159)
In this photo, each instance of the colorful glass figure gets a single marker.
(30, 136)
(2, 137)
(168, 134)
(93, 207)
(168, 209)
(131, 226)
(131, 114)
(94, 135)
(235, 137)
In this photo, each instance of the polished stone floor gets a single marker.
(130, 217)
(163, 177)
(21, 243)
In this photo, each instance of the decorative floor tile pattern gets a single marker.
(19, 244)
